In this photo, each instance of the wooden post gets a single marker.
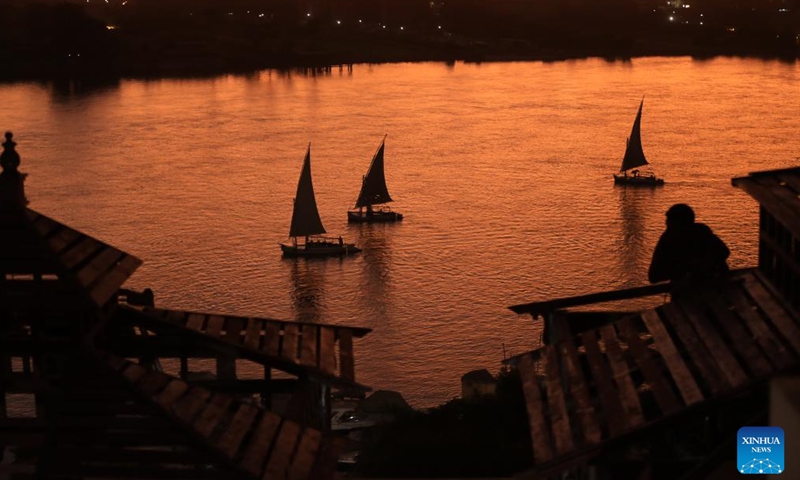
(266, 396)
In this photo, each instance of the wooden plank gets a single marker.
(176, 317)
(252, 337)
(665, 397)
(133, 373)
(257, 449)
(719, 350)
(188, 407)
(792, 179)
(45, 226)
(212, 414)
(778, 315)
(628, 395)
(152, 383)
(325, 463)
(770, 345)
(327, 350)
(77, 254)
(743, 341)
(559, 418)
(680, 373)
(278, 463)
(172, 393)
(710, 371)
(347, 367)
(233, 329)
(108, 285)
(615, 420)
(272, 338)
(303, 460)
(580, 393)
(774, 205)
(230, 441)
(65, 237)
(543, 308)
(308, 349)
(784, 194)
(99, 265)
(116, 363)
(289, 344)
(215, 324)
(540, 431)
(195, 321)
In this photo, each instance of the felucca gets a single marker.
(634, 159)
(371, 203)
(307, 225)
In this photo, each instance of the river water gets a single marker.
(503, 171)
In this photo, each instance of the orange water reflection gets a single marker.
(502, 170)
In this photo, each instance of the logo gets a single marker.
(760, 450)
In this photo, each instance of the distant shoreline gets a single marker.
(76, 69)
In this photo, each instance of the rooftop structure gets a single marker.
(660, 393)
(82, 390)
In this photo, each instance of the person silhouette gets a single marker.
(687, 250)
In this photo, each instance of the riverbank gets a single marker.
(135, 55)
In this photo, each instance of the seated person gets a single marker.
(687, 250)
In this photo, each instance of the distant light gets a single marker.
(731, 29)
(230, 13)
(671, 19)
(384, 26)
(359, 21)
(124, 3)
(701, 14)
(440, 27)
(338, 22)
(261, 15)
(308, 14)
(111, 27)
(401, 28)
(701, 23)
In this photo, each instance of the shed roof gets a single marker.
(778, 191)
(703, 346)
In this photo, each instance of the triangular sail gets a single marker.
(373, 188)
(634, 155)
(305, 217)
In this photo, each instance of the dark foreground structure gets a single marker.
(82, 391)
(661, 393)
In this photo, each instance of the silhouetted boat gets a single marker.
(374, 192)
(634, 159)
(307, 224)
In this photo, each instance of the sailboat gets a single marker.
(371, 203)
(307, 225)
(634, 158)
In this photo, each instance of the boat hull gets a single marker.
(375, 217)
(638, 181)
(319, 250)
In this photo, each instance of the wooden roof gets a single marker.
(309, 349)
(252, 441)
(777, 191)
(36, 244)
(604, 385)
